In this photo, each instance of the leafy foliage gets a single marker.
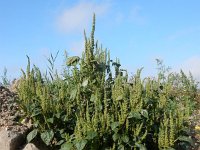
(5, 81)
(90, 108)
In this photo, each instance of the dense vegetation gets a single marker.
(95, 105)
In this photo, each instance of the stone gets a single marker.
(10, 140)
(30, 146)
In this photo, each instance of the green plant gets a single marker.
(4, 77)
(90, 108)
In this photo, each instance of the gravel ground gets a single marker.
(9, 114)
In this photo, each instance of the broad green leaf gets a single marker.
(135, 115)
(119, 98)
(141, 146)
(91, 135)
(47, 136)
(114, 125)
(32, 135)
(92, 98)
(94, 81)
(73, 94)
(186, 139)
(66, 146)
(185, 131)
(60, 142)
(36, 123)
(144, 113)
(61, 131)
(80, 145)
(115, 137)
(58, 115)
(100, 106)
(72, 61)
(121, 147)
(36, 112)
(50, 120)
(170, 148)
(85, 83)
(125, 138)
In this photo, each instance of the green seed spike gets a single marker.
(96, 47)
(92, 38)
(85, 36)
(172, 130)
(28, 67)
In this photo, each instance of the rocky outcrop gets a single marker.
(9, 114)
(13, 132)
(30, 146)
(11, 140)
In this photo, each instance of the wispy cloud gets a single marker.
(192, 65)
(78, 17)
(133, 14)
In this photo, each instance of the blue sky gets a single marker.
(136, 31)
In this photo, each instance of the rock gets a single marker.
(10, 140)
(12, 132)
(9, 110)
(30, 146)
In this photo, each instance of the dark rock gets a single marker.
(10, 140)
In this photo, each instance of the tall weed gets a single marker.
(91, 107)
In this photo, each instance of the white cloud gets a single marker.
(192, 65)
(79, 16)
